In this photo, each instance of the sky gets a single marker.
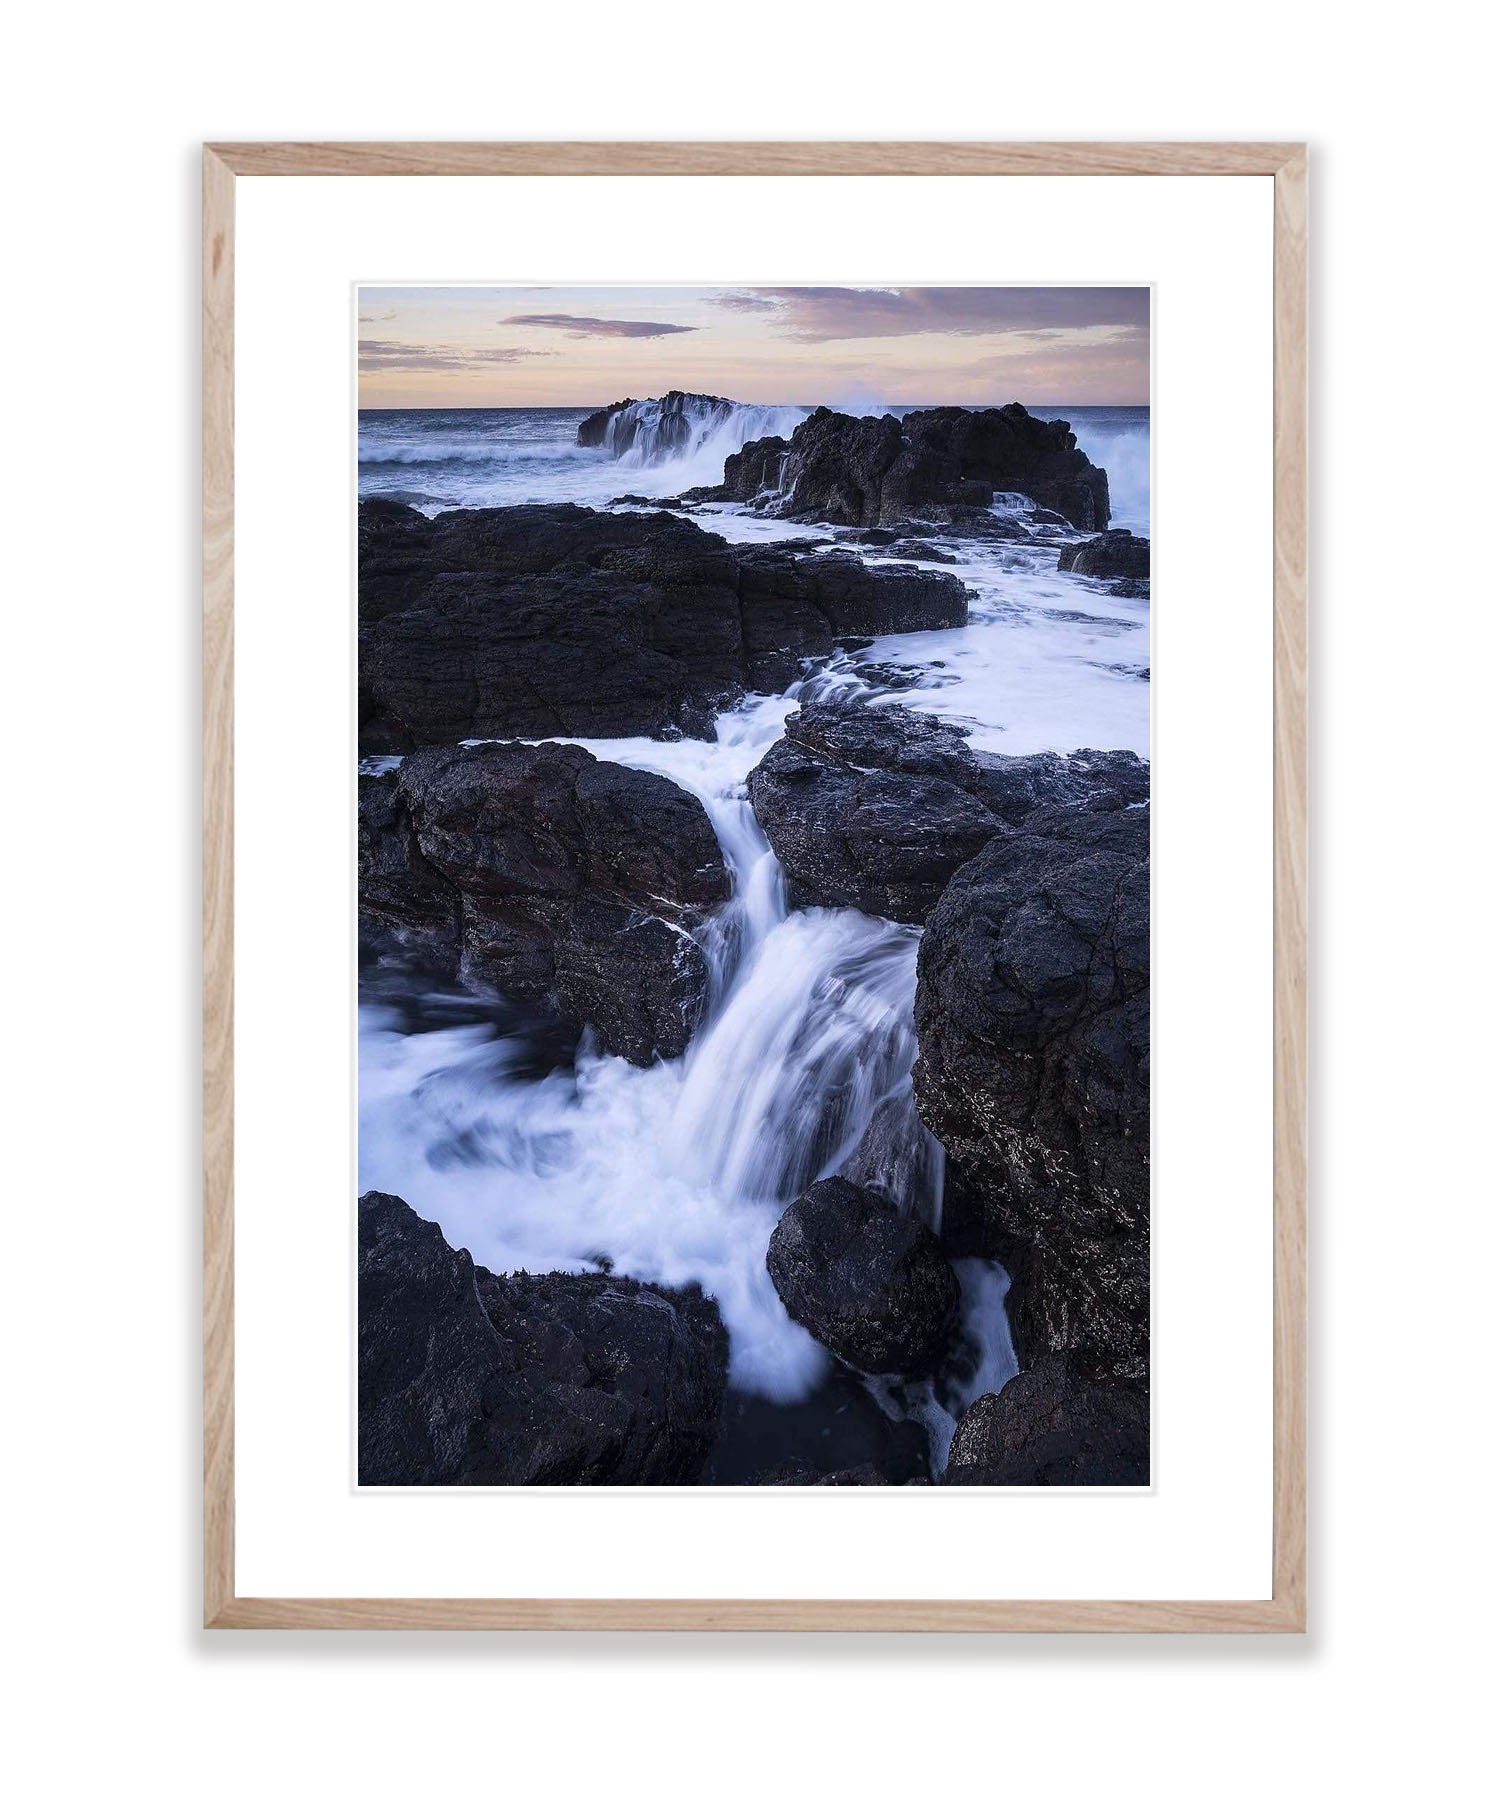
(539, 346)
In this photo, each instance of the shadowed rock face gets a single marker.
(1048, 1427)
(1033, 1020)
(554, 621)
(554, 877)
(477, 1379)
(1117, 554)
(877, 807)
(869, 1284)
(940, 464)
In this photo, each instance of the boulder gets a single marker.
(918, 550)
(946, 463)
(870, 1285)
(1033, 1024)
(555, 621)
(877, 807)
(753, 469)
(471, 1378)
(1048, 1427)
(1114, 555)
(552, 877)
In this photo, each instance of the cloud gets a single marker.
(384, 356)
(744, 302)
(820, 315)
(377, 318)
(579, 326)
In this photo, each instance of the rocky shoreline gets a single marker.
(585, 889)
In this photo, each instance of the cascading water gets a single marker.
(676, 1172)
(694, 432)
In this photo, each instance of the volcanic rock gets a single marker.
(876, 807)
(1033, 1021)
(550, 876)
(471, 1378)
(940, 464)
(1118, 554)
(555, 621)
(1048, 1427)
(869, 1284)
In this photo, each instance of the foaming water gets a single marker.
(692, 433)
(678, 1172)
(434, 458)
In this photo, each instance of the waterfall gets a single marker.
(677, 1172)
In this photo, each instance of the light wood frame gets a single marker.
(1285, 1611)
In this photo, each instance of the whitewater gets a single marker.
(533, 1158)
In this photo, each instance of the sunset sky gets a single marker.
(534, 346)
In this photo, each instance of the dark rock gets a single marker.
(869, 1284)
(552, 877)
(917, 550)
(1092, 780)
(554, 621)
(405, 905)
(795, 1474)
(1048, 1427)
(945, 463)
(1115, 553)
(1033, 1021)
(477, 1379)
(876, 807)
(753, 469)
(796, 607)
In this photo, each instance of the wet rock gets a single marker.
(555, 878)
(1049, 1427)
(798, 606)
(1114, 554)
(877, 806)
(794, 1474)
(555, 621)
(1033, 1021)
(405, 906)
(897, 1157)
(476, 1379)
(917, 550)
(753, 469)
(945, 463)
(871, 1286)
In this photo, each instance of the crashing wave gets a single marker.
(681, 427)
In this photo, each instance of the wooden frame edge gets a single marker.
(1286, 1610)
(754, 158)
(1123, 1617)
(1289, 858)
(218, 886)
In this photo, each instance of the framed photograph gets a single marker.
(755, 886)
